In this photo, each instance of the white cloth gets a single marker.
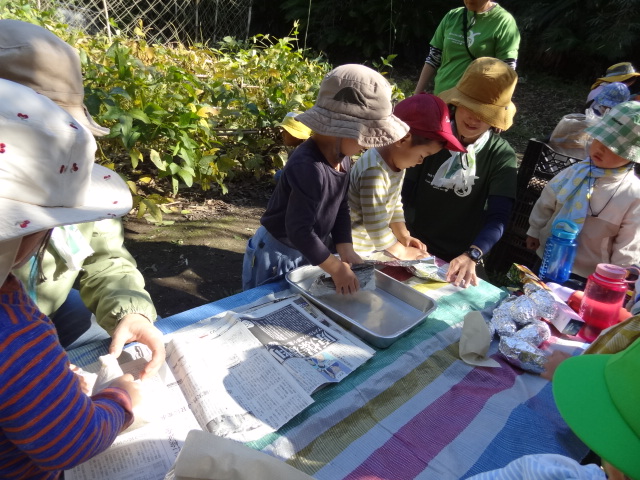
(454, 174)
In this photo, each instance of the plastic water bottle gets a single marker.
(559, 252)
(604, 296)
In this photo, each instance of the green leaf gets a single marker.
(135, 156)
(154, 156)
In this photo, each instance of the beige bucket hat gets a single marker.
(486, 88)
(48, 176)
(355, 102)
(35, 57)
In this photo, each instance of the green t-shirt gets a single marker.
(446, 222)
(494, 34)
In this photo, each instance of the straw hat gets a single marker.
(598, 397)
(48, 176)
(620, 72)
(486, 88)
(35, 57)
(355, 102)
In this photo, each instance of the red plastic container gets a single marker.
(603, 298)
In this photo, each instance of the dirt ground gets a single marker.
(198, 258)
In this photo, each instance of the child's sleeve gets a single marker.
(626, 244)
(542, 212)
(43, 411)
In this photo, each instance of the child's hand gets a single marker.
(532, 243)
(415, 243)
(406, 253)
(126, 383)
(84, 385)
(345, 280)
(348, 254)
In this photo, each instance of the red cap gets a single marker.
(428, 116)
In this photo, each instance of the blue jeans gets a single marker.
(267, 259)
(76, 325)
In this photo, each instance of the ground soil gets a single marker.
(198, 258)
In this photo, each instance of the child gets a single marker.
(620, 72)
(309, 205)
(293, 131)
(48, 179)
(611, 95)
(601, 194)
(377, 217)
(293, 134)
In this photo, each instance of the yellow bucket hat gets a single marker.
(486, 88)
(620, 72)
(294, 127)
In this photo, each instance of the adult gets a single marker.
(481, 28)
(462, 201)
(623, 72)
(111, 299)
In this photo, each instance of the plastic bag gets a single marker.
(569, 137)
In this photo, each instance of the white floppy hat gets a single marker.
(48, 176)
(355, 102)
(33, 56)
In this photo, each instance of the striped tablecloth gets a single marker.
(415, 410)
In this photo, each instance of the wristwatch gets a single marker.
(474, 253)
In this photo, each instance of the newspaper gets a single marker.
(237, 375)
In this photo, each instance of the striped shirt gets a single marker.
(47, 424)
(374, 199)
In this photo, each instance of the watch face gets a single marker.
(475, 254)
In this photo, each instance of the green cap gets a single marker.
(619, 130)
(599, 398)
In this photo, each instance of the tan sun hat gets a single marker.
(48, 176)
(35, 57)
(486, 88)
(355, 102)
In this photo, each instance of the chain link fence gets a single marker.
(164, 21)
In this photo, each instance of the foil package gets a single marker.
(536, 333)
(324, 284)
(522, 354)
(502, 322)
(545, 303)
(523, 310)
(427, 269)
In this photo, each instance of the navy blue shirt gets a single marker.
(310, 203)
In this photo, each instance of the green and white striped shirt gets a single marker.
(374, 199)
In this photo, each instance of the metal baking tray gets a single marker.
(379, 316)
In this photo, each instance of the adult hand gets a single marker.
(462, 272)
(532, 243)
(126, 382)
(137, 328)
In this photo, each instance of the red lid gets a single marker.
(614, 272)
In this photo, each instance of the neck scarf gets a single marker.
(573, 191)
(459, 171)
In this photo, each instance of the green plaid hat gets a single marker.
(619, 130)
